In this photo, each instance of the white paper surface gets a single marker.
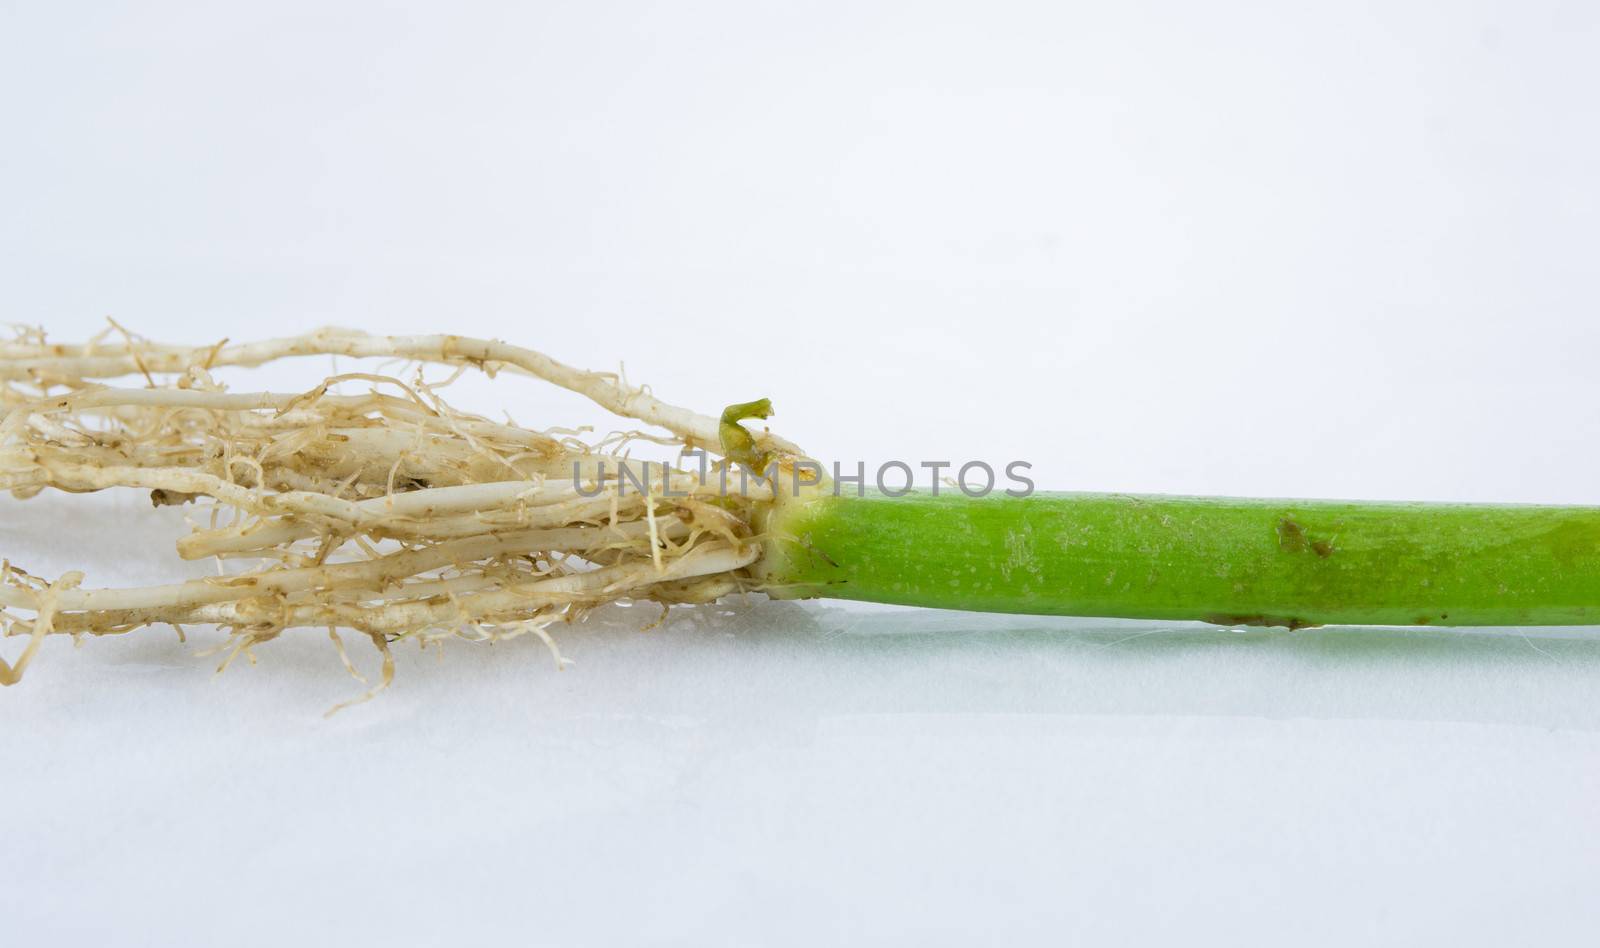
(1226, 248)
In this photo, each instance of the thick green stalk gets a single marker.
(1229, 561)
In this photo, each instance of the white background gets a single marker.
(1327, 249)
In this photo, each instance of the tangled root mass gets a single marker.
(366, 502)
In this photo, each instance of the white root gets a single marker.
(376, 572)
(41, 362)
(388, 512)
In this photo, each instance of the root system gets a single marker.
(367, 502)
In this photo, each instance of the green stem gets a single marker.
(1228, 561)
